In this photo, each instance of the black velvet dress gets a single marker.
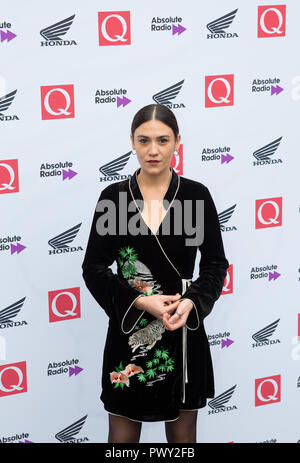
(149, 373)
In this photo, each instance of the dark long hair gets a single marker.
(157, 112)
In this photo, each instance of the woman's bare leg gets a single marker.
(123, 430)
(184, 428)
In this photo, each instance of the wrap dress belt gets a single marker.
(185, 284)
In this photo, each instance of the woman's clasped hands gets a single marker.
(164, 307)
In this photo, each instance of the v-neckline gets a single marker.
(169, 195)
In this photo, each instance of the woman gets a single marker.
(157, 364)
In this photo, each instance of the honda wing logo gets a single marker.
(266, 151)
(5, 101)
(265, 333)
(61, 241)
(219, 25)
(225, 216)
(168, 94)
(113, 167)
(55, 31)
(11, 311)
(67, 434)
(218, 403)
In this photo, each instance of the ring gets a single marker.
(179, 314)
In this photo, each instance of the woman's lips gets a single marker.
(153, 162)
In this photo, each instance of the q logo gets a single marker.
(114, 27)
(13, 379)
(9, 177)
(267, 390)
(57, 102)
(228, 281)
(64, 304)
(268, 212)
(219, 90)
(271, 21)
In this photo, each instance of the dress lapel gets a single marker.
(170, 193)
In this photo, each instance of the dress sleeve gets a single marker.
(207, 288)
(112, 292)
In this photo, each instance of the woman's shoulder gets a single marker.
(193, 185)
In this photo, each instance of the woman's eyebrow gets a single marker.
(160, 136)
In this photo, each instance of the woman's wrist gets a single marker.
(140, 302)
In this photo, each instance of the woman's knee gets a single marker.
(123, 430)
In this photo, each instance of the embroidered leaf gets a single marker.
(170, 361)
(149, 364)
(165, 354)
(162, 368)
(155, 361)
(170, 368)
(157, 353)
(143, 322)
(141, 377)
(151, 373)
(120, 367)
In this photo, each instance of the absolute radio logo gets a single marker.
(60, 169)
(57, 102)
(9, 176)
(218, 27)
(166, 96)
(53, 34)
(67, 434)
(268, 85)
(217, 404)
(112, 96)
(212, 154)
(264, 155)
(114, 28)
(69, 367)
(220, 339)
(60, 243)
(9, 313)
(224, 217)
(5, 102)
(64, 304)
(219, 90)
(268, 212)
(228, 281)
(267, 271)
(6, 35)
(271, 21)
(262, 336)
(171, 23)
(16, 438)
(13, 379)
(7, 243)
(267, 390)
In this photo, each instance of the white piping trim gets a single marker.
(139, 421)
(126, 332)
(192, 329)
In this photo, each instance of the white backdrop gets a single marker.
(36, 334)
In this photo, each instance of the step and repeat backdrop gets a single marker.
(72, 77)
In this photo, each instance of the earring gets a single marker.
(133, 151)
(176, 153)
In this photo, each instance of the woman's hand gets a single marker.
(157, 303)
(173, 322)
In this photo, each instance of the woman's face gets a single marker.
(154, 141)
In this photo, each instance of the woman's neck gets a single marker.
(160, 181)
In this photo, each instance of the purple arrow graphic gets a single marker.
(8, 35)
(25, 442)
(177, 29)
(122, 101)
(75, 370)
(68, 174)
(226, 343)
(16, 248)
(273, 275)
(276, 90)
(226, 158)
